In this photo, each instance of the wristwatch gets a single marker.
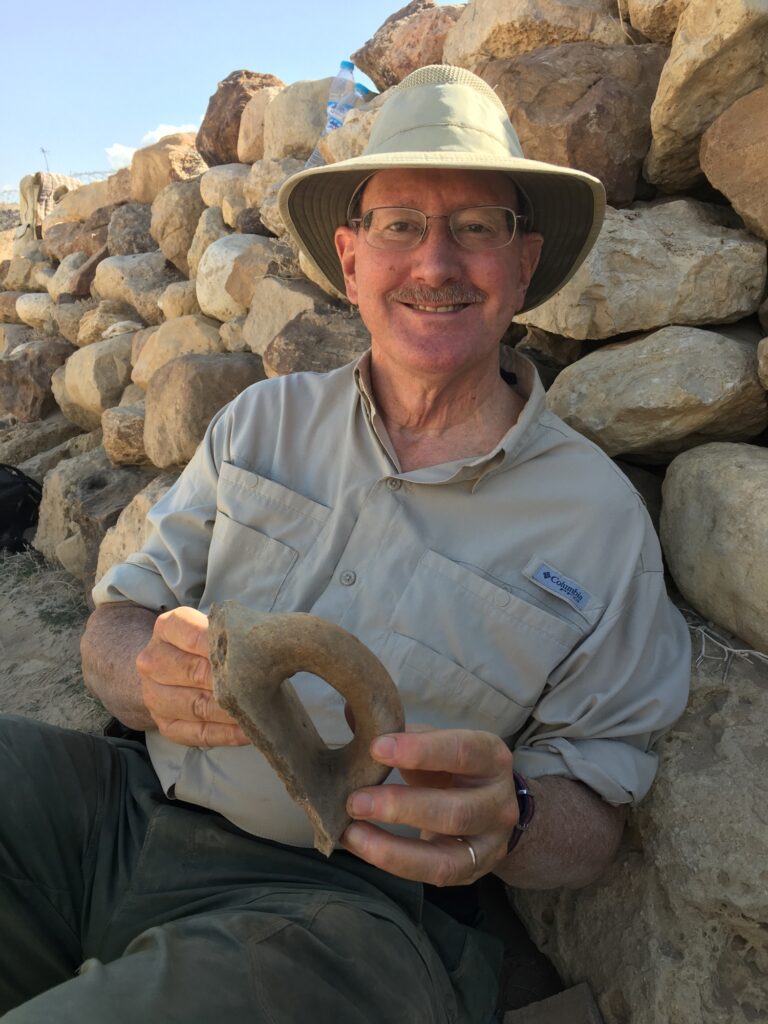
(527, 807)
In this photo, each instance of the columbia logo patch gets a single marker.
(553, 581)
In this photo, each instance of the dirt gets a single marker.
(42, 615)
(9, 221)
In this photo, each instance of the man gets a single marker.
(498, 564)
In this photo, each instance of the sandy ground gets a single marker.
(9, 219)
(42, 614)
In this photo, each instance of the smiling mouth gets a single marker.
(438, 309)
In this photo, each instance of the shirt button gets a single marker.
(348, 578)
(394, 485)
(502, 599)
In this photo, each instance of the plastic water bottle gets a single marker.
(341, 99)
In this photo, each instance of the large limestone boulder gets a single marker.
(673, 262)
(119, 186)
(263, 184)
(741, 130)
(295, 119)
(123, 434)
(267, 256)
(762, 362)
(317, 342)
(25, 440)
(250, 138)
(218, 134)
(274, 303)
(584, 106)
(175, 215)
(131, 531)
(714, 533)
(8, 313)
(178, 337)
(656, 19)
(655, 396)
(68, 315)
(409, 39)
(20, 275)
(210, 227)
(82, 498)
(13, 335)
(213, 272)
(80, 236)
(94, 380)
(183, 396)
(39, 466)
(352, 137)
(128, 231)
(719, 53)
(77, 205)
(25, 378)
(179, 299)
(226, 181)
(66, 279)
(98, 317)
(675, 931)
(35, 309)
(139, 280)
(173, 158)
(489, 29)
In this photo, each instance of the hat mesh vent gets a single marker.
(446, 74)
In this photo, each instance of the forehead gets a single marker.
(421, 187)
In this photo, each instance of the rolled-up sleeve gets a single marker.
(623, 686)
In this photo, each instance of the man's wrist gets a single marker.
(526, 803)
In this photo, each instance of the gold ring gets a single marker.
(472, 853)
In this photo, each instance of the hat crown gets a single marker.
(440, 108)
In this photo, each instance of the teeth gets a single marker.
(439, 309)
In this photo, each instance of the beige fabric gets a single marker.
(295, 502)
(38, 194)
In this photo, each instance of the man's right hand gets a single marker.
(177, 683)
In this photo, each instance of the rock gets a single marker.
(38, 466)
(409, 39)
(209, 229)
(351, 139)
(231, 208)
(218, 134)
(231, 334)
(183, 396)
(248, 221)
(489, 29)
(714, 537)
(77, 205)
(648, 486)
(131, 531)
(81, 281)
(66, 278)
(573, 1006)
(87, 236)
(656, 19)
(317, 342)
(123, 431)
(138, 280)
(550, 353)
(584, 106)
(41, 275)
(274, 303)
(13, 335)
(224, 181)
(172, 339)
(25, 440)
(266, 256)
(8, 314)
(139, 341)
(82, 498)
(20, 274)
(25, 378)
(762, 314)
(265, 179)
(119, 186)
(742, 130)
(660, 938)
(719, 53)
(133, 395)
(128, 231)
(175, 214)
(214, 270)
(179, 299)
(68, 315)
(173, 158)
(670, 262)
(94, 380)
(250, 139)
(762, 362)
(35, 309)
(295, 119)
(97, 319)
(655, 396)
(131, 327)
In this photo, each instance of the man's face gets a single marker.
(438, 308)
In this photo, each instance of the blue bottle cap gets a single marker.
(347, 65)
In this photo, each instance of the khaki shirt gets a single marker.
(520, 592)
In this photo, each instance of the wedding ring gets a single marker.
(472, 853)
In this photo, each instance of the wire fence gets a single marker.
(11, 195)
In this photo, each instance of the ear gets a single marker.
(345, 239)
(530, 253)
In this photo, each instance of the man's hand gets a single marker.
(459, 785)
(177, 683)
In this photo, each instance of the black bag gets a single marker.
(19, 503)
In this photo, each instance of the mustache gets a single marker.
(448, 295)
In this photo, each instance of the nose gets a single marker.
(437, 259)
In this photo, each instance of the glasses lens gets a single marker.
(390, 227)
(483, 227)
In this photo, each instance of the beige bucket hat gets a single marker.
(445, 117)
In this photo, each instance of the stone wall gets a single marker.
(153, 298)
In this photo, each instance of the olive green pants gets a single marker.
(119, 904)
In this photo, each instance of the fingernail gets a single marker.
(360, 804)
(383, 747)
(353, 836)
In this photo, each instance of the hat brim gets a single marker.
(568, 207)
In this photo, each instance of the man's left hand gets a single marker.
(459, 786)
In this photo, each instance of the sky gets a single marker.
(89, 82)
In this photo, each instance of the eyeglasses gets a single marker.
(475, 228)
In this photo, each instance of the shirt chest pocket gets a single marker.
(261, 529)
(463, 643)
